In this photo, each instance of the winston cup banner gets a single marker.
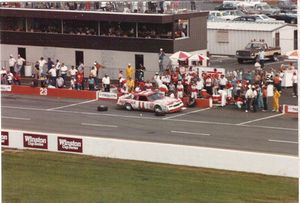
(35, 141)
(69, 144)
(4, 138)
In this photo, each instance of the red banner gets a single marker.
(69, 144)
(35, 141)
(4, 138)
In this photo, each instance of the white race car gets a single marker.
(150, 101)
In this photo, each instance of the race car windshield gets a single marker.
(156, 96)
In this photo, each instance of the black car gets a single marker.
(226, 6)
(286, 16)
(246, 18)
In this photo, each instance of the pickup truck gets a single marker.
(251, 52)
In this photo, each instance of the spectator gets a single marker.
(17, 78)
(261, 56)
(80, 80)
(91, 82)
(276, 96)
(248, 97)
(106, 83)
(20, 63)
(265, 97)
(295, 84)
(52, 73)
(73, 73)
(43, 79)
(63, 71)
(10, 77)
(57, 67)
(60, 82)
(81, 66)
(49, 63)
(161, 56)
(93, 73)
(42, 63)
(12, 62)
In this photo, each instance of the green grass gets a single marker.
(31, 176)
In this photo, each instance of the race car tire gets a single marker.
(160, 113)
(102, 108)
(240, 61)
(192, 102)
(128, 107)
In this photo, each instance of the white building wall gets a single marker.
(287, 38)
(112, 60)
(237, 40)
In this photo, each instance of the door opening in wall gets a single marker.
(139, 60)
(22, 53)
(79, 57)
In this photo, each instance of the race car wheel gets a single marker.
(240, 61)
(275, 57)
(158, 111)
(293, 21)
(102, 108)
(128, 107)
(192, 102)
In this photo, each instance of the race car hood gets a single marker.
(167, 101)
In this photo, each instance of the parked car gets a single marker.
(150, 101)
(251, 51)
(255, 18)
(264, 8)
(226, 6)
(286, 5)
(286, 16)
(215, 16)
(231, 14)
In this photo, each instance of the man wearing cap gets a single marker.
(180, 89)
(106, 83)
(161, 56)
(12, 62)
(129, 71)
(248, 97)
(20, 63)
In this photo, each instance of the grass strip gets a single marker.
(35, 176)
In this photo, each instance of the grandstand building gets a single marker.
(111, 38)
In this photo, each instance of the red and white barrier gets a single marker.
(270, 164)
(290, 109)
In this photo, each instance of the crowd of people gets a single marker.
(247, 90)
(109, 6)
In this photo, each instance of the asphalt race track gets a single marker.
(226, 128)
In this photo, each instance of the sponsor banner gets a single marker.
(4, 138)
(107, 95)
(5, 88)
(69, 144)
(292, 109)
(35, 141)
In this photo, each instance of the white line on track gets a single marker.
(61, 107)
(283, 141)
(270, 127)
(189, 133)
(183, 114)
(99, 125)
(154, 118)
(16, 118)
(259, 119)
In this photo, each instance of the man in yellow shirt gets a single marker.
(276, 97)
(129, 71)
(130, 84)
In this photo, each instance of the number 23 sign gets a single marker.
(43, 91)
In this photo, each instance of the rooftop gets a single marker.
(245, 26)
